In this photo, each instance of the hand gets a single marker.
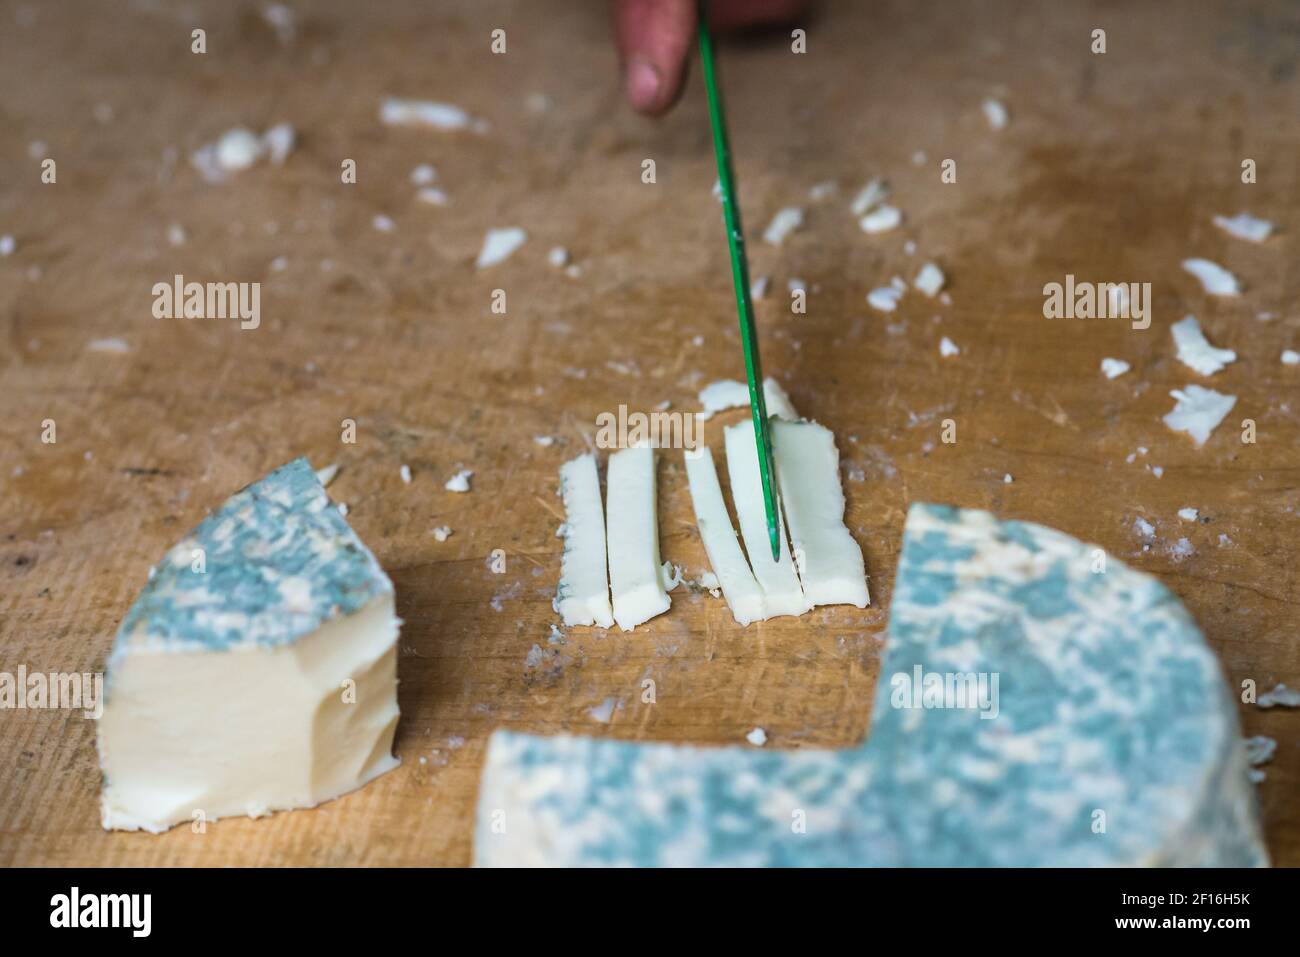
(656, 39)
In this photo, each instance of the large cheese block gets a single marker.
(257, 670)
(1039, 704)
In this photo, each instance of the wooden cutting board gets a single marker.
(1110, 169)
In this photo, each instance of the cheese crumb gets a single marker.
(1198, 411)
(948, 348)
(1007, 479)
(1188, 514)
(431, 195)
(871, 195)
(1114, 368)
(545, 441)
(427, 113)
(1245, 226)
(383, 223)
(1281, 696)
(1216, 280)
(880, 220)
(460, 481)
(7, 245)
(1290, 357)
(442, 533)
(558, 257)
(1143, 527)
(757, 737)
(119, 346)
(758, 288)
(498, 245)
(785, 222)
(929, 280)
(885, 298)
(1195, 351)
(423, 175)
(405, 473)
(996, 113)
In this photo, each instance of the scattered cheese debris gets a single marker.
(603, 711)
(442, 533)
(996, 113)
(1143, 527)
(7, 245)
(1114, 368)
(176, 234)
(239, 148)
(278, 142)
(382, 223)
(757, 737)
(880, 220)
(405, 473)
(1198, 411)
(431, 195)
(758, 288)
(1188, 514)
(1216, 280)
(498, 245)
(423, 175)
(822, 190)
(558, 257)
(460, 481)
(1290, 357)
(1245, 226)
(545, 441)
(885, 298)
(1195, 351)
(1007, 479)
(948, 348)
(730, 394)
(929, 280)
(785, 222)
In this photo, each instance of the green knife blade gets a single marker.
(740, 278)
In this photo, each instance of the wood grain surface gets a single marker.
(1111, 169)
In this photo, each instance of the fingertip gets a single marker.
(644, 85)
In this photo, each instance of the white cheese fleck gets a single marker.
(758, 288)
(278, 142)
(460, 481)
(558, 257)
(423, 175)
(1188, 514)
(820, 191)
(1195, 351)
(426, 113)
(1143, 527)
(431, 196)
(7, 245)
(545, 441)
(929, 280)
(1198, 411)
(1281, 696)
(880, 220)
(884, 298)
(948, 348)
(1245, 226)
(786, 221)
(1114, 368)
(119, 346)
(869, 196)
(405, 473)
(1290, 357)
(498, 245)
(382, 223)
(757, 737)
(604, 711)
(996, 113)
(442, 533)
(1216, 280)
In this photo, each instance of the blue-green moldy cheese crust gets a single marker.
(277, 561)
(1115, 741)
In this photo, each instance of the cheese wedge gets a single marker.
(257, 671)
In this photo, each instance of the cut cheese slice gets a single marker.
(257, 671)
(633, 528)
(827, 558)
(730, 394)
(583, 595)
(739, 587)
(782, 593)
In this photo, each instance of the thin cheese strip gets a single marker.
(739, 586)
(782, 593)
(632, 521)
(829, 561)
(583, 595)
